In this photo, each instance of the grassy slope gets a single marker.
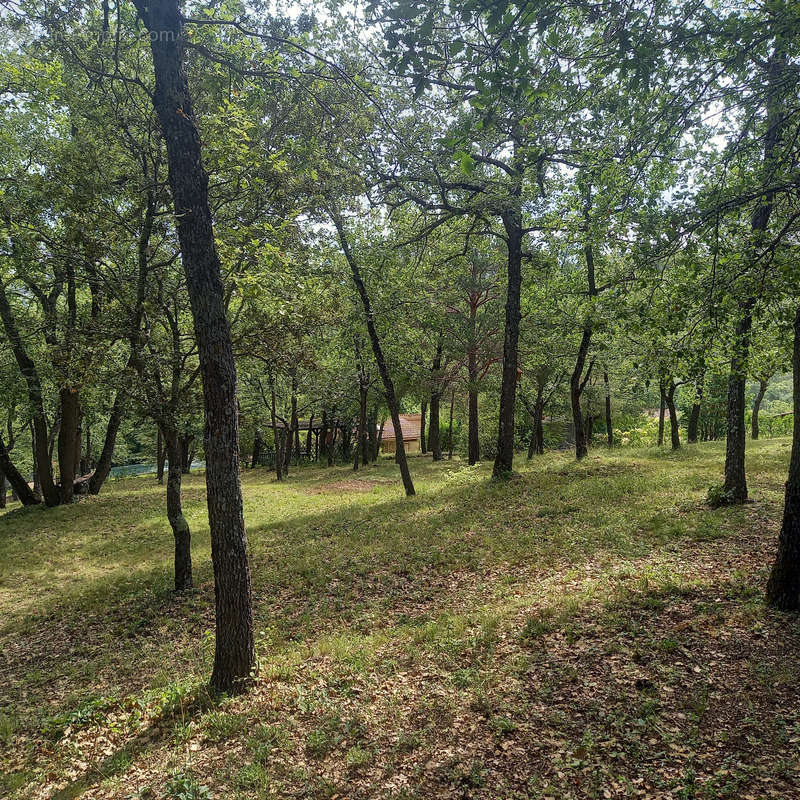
(587, 630)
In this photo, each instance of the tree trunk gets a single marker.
(762, 390)
(434, 432)
(473, 437)
(674, 430)
(37, 483)
(323, 436)
(450, 434)
(308, 436)
(20, 486)
(422, 441)
(609, 426)
(332, 445)
(783, 587)
(372, 434)
(3, 493)
(41, 449)
(363, 444)
(78, 446)
(277, 438)
(661, 411)
(186, 453)
(388, 384)
(234, 657)
(512, 222)
(67, 433)
(532, 442)
(258, 446)
(103, 467)
(694, 415)
(577, 382)
(538, 420)
(735, 485)
(180, 527)
(379, 439)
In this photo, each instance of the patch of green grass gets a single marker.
(219, 726)
(357, 591)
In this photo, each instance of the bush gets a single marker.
(717, 497)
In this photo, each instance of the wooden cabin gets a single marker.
(410, 425)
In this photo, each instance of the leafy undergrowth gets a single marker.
(583, 630)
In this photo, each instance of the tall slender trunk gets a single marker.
(538, 424)
(309, 435)
(3, 493)
(388, 384)
(577, 382)
(372, 433)
(379, 439)
(735, 485)
(577, 379)
(187, 453)
(258, 446)
(67, 433)
(37, 482)
(609, 426)
(277, 438)
(674, 430)
(661, 410)
(292, 438)
(332, 445)
(762, 390)
(473, 437)
(450, 427)
(78, 446)
(178, 523)
(103, 467)
(323, 436)
(434, 432)
(694, 415)
(783, 587)
(512, 223)
(234, 657)
(422, 441)
(363, 444)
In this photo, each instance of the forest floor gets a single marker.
(587, 630)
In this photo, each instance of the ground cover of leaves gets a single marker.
(585, 630)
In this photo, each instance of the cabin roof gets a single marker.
(410, 425)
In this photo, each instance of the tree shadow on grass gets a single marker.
(360, 568)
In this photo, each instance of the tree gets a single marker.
(234, 657)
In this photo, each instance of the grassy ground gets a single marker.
(585, 630)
